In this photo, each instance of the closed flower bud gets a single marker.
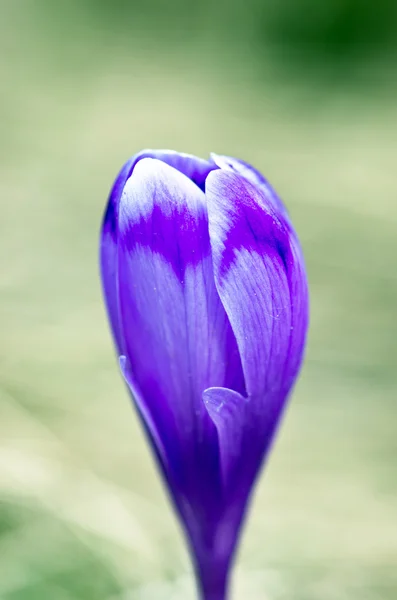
(206, 293)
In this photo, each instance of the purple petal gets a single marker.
(261, 280)
(177, 336)
(194, 168)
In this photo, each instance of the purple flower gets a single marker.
(207, 297)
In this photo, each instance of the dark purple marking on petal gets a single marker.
(260, 229)
(159, 229)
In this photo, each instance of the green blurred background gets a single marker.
(306, 91)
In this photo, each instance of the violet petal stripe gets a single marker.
(175, 328)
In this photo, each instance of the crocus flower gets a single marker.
(206, 293)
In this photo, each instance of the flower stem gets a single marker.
(212, 583)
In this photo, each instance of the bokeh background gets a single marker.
(306, 91)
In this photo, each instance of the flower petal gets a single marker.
(177, 336)
(194, 168)
(260, 277)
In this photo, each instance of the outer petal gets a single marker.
(194, 168)
(176, 332)
(261, 280)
